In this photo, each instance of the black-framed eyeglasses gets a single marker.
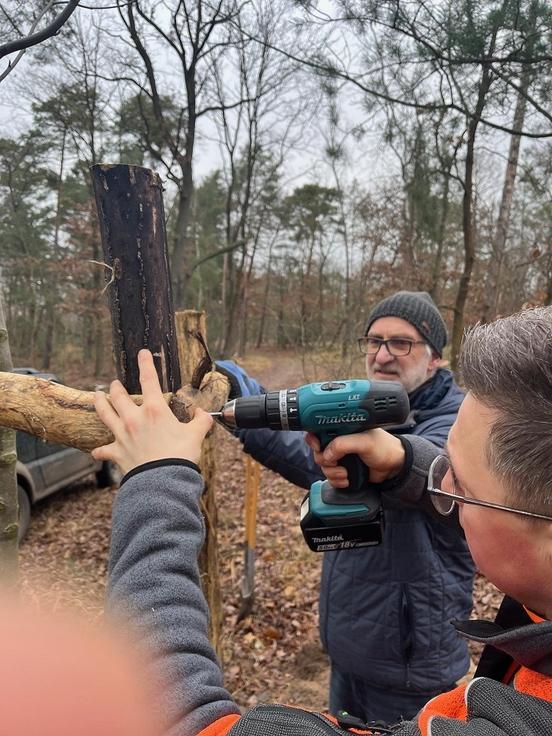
(397, 346)
(444, 502)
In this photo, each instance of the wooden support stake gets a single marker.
(132, 225)
(195, 363)
(8, 482)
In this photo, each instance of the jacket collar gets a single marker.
(437, 396)
(433, 391)
(530, 645)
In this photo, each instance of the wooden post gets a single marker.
(8, 481)
(194, 363)
(132, 227)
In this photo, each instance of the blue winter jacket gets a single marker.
(385, 610)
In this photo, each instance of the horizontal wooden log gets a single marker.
(57, 413)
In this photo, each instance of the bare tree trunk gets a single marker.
(49, 319)
(264, 307)
(182, 251)
(436, 272)
(243, 321)
(237, 275)
(548, 297)
(467, 221)
(53, 296)
(8, 481)
(280, 328)
(191, 34)
(492, 286)
(409, 219)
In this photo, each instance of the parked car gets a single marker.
(46, 467)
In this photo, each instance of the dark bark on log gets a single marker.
(132, 226)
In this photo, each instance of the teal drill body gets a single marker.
(331, 518)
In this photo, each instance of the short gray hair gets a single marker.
(507, 365)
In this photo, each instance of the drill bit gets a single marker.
(215, 414)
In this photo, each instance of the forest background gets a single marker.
(315, 157)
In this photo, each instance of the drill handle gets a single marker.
(359, 491)
(357, 471)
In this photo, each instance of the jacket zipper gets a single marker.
(406, 631)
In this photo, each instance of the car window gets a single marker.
(26, 446)
(43, 449)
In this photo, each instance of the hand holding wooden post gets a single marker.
(150, 431)
(132, 226)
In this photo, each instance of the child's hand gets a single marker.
(150, 431)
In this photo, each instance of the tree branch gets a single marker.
(427, 106)
(36, 38)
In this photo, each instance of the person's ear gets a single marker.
(436, 362)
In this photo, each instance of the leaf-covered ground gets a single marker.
(274, 654)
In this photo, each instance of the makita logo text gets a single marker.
(341, 418)
(334, 538)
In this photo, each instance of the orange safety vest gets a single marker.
(223, 726)
(453, 703)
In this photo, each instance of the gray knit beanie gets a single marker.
(418, 308)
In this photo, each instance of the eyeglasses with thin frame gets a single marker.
(445, 502)
(397, 346)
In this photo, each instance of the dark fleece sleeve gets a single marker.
(409, 489)
(154, 587)
(285, 453)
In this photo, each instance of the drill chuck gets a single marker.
(275, 410)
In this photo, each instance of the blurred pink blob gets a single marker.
(60, 676)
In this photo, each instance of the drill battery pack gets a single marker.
(331, 521)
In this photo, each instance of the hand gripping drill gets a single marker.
(331, 518)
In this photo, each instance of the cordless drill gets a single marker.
(331, 518)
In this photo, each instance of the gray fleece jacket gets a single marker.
(154, 587)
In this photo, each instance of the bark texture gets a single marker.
(132, 227)
(58, 413)
(8, 481)
(196, 368)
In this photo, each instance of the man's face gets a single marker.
(511, 551)
(411, 370)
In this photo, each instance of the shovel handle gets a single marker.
(252, 483)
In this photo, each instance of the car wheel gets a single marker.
(108, 475)
(24, 514)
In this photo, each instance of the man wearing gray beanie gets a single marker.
(383, 632)
(385, 610)
(417, 335)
